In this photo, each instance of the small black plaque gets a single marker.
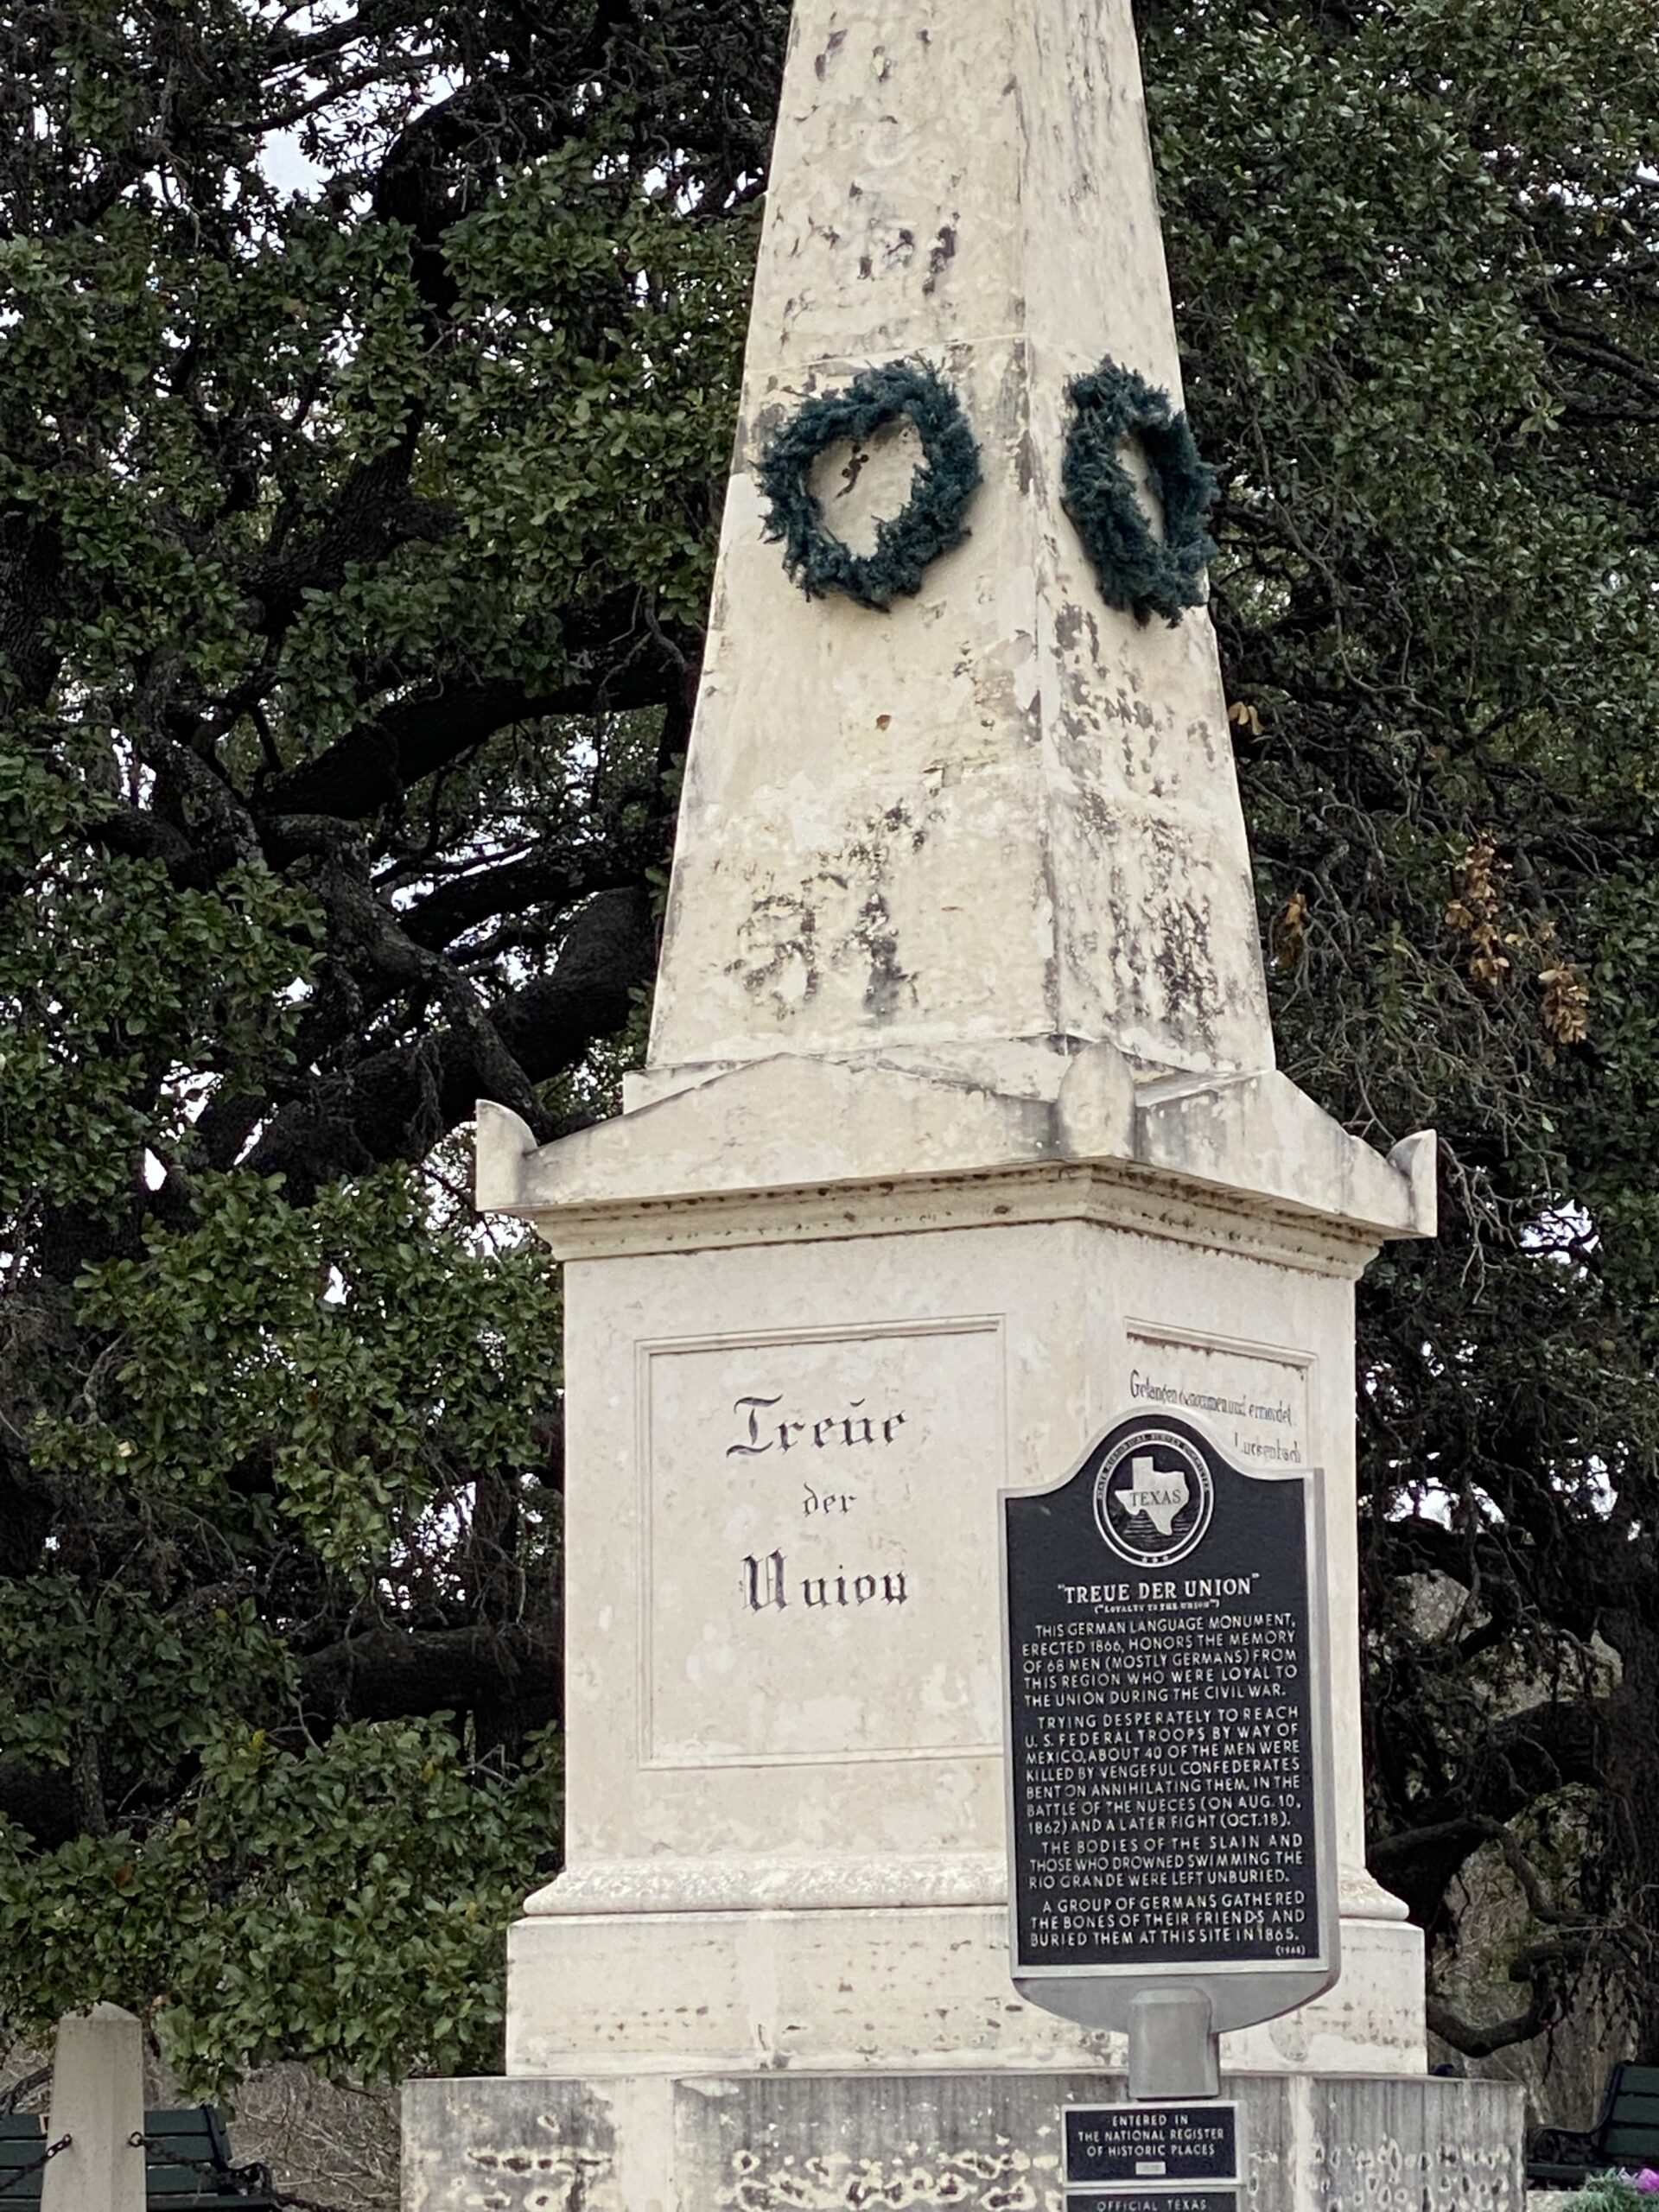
(1150, 2143)
(1134, 2199)
(1168, 1798)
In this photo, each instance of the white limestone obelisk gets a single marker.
(999, 824)
(960, 1132)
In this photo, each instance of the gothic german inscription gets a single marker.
(1165, 1806)
(817, 1522)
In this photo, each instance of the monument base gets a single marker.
(978, 2142)
(923, 1986)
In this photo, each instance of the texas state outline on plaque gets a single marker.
(1159, 1496)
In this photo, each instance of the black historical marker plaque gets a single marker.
(1146, 2143)
(1169, 1812)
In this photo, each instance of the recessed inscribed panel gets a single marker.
(1253, 1397)
(820, 1546)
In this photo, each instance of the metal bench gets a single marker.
(187, 2164)
(23, 2157)
(1625, 2134)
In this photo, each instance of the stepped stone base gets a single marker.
(789, 2142)
(921, 1989)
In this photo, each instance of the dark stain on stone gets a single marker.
(1068, 627)
(884, 993)
(835, 41)
(793, 926)
(941, 255)
(1182, 963)
(897, 819)
(865, 267)
(1183, 958)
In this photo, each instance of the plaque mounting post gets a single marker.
(1174, 2048)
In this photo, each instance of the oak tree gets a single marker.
(367, 383)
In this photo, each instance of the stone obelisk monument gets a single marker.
(960, 1131)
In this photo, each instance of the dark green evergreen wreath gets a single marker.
(905, 543)
(1138, 571)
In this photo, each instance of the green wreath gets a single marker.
(905, 543)
(1138, 571)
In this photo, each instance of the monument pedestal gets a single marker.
(918, 1986)
(977, 2142)
(818, 1313)
(791, 1405)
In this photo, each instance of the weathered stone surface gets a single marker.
(850, 1985)
(979, 2142)
(792, 1122)
(1000, 819)
(761, 1800)
(514, 2146)
(1379, 2144)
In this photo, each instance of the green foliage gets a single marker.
(354, 535)
(550, 446)
(1142, 570)
(366, 390)
(270, 1467)
(1608, 2192)
(347, 1334)
(344, 1900)
(907, 543)
(112, 978)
